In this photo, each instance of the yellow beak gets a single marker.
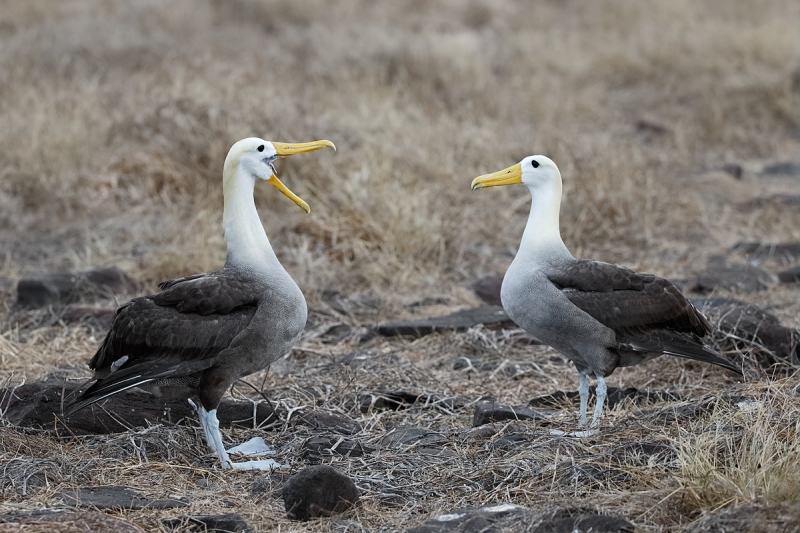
(507, 176)
(287, 149)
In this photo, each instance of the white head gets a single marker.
(538, 172)
(255, 158)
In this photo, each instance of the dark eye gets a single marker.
(534, 163)
(261, 148)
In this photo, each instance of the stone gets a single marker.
(113, 497)
(783, 168)
(218, 523)
(790, 275)
(779, 252)
(42, 521)
(735, 277)
(318, 491)
(742, 325)
(488, 289)
(393, 401)
(329, 421)
(69, 287)
(38, 405)
(489, 411)
(490, 315)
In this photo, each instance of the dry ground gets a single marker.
(116, 117)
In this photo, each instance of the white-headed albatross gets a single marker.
(599, 315)
(203, 332)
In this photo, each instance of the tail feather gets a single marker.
(679, 345)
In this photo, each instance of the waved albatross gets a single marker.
(599, 315)
(203, 332)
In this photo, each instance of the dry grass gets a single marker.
(117, 117)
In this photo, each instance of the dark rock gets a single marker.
(750, 518)
(69, 287)
(784, 168)
(38, 521)
(113, 497)
(329, 421)
(734, 169)
(488, 289)
(485, 519)
(458, 321)
(489, 411)
(581, 521)
(614, 396)
(651, 127)
(512, 440)
(487, 431)
(743, 326)
(735, 277)
(320, 446)
(393, 401)
(790, 275)
(38, 405)
(337, 333)
(318, 491)
(218, 523)
(405, 437)
(781, 253)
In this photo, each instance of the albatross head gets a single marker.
(536, 171)
(255, 157)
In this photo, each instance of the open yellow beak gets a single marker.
(287, 149)
(507, 176)
(292, 196)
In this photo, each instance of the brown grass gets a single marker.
(116, 120)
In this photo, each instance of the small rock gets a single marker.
(40, 521)
(791, 275)
(490, 315)
(318, 491)
(393, 401)
(219, 523)
(113, 497)
(326, 446)
(487, 411)
(736, 277)
(782, 253)
(67, 287)
(488, 289)
(784, 168)
(329, 421)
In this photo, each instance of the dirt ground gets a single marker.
(667, 120)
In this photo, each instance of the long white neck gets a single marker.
(541, 240)
(248, 245)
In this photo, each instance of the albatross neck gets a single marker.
(541, 240)
(248, 245)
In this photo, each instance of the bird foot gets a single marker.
(255, 446)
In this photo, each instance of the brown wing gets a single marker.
(219, 292)
(658, 305)
(596, 276)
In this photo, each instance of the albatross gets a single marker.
(203, 332)
(601, 316)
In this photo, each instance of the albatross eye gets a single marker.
(534, 163)
(261, 148)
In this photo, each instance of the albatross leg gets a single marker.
(601, 400)
(210, 423)
(583, 391)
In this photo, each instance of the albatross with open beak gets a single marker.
(203, 332)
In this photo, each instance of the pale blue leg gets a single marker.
(583, 391)
(601, 399)
(210, 423)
